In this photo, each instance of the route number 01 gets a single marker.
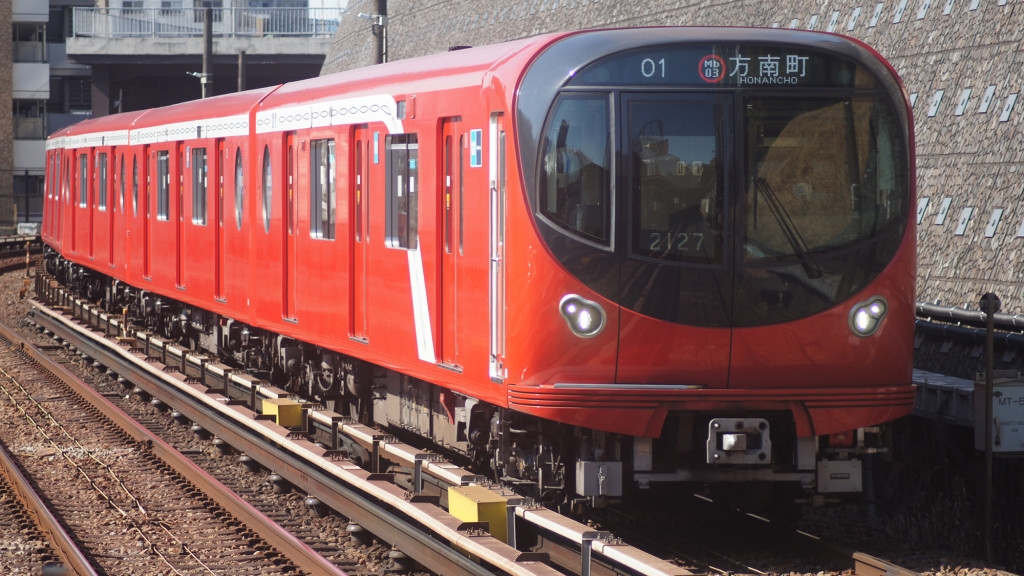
(649, 68)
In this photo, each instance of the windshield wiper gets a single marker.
(789, 229)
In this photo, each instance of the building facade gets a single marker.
(69, 60)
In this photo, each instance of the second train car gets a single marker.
(593, 262)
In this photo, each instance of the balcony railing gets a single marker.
(177, 22)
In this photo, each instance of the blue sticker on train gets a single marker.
(476, 148)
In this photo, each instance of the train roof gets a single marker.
(447, 70)
(500, 66)
(225, 105)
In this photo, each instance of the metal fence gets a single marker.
(176, 22)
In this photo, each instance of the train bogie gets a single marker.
(644, 256)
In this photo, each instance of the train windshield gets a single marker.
(821, 174)
(721, 185)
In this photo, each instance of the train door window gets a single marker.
(101, 181)
(462, 170)
(289, 189)
(322, 198)
(402, 194)
(221, 163)
(448, 217)
(135, 186)
(268, 191)
(674, 163)
(239, 188)
(199, 174)
(359, 190)
(121, 181)
(83, 180)
(163, 185)
(575, 180)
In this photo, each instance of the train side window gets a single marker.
(199, 186)
(163, 185)
(322, 195)
(239, 187)
(83, 180)
(575, 179)
(101, 181)
(268, 191)
(402, 152)
(135, 187)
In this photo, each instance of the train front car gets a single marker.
(730, 293)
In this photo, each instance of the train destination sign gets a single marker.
(755, 66)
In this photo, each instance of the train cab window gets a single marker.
(239, 187)
(575, 178)
(402, 152)
(135, 187)
(821, 176)
(163, 185)
(675, 158)
(83, 180)
(268, 190)
(101, 181)
(199, 174)
(322, 198)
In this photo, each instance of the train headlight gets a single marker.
(866, 316)
(586, 319)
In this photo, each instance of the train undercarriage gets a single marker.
(557, 464)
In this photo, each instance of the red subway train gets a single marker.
(593, 262)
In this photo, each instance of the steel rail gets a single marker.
(296, 551)
(69, 553)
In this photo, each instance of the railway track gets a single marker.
(561, 543)
(131, 503)
(31, 538)
(414, 523)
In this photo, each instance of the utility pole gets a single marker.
(991, 304)
(379, 26)
(206, 79)
(241, 71)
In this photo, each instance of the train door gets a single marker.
(290, 229)
(113, 205)
(71, 186)
(219, 162)
(148, 166)
(496, 291)
(451, 186)
(62, 193)
(178, 217)
(88, 193)
(363, 152)
(676, 216)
